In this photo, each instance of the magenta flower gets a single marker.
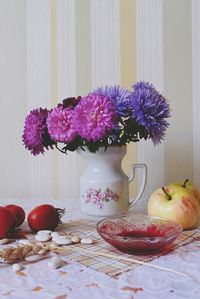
(35, 136)
(94, 117)
(119, 96)
(59, 124)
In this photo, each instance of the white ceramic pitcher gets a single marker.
(104, 187)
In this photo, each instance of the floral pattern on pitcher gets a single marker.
(98, 197)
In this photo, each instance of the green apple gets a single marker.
(186, 184)
(176, 203)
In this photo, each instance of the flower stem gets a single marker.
(169, 197)
(62, 151)
(184, 184)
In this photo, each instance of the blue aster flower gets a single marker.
(143, 85)
(150, 109)
(120, 98)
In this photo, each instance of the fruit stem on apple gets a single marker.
(184, 184)
(169, 197)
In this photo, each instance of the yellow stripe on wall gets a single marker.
(128, 65)
(54, 92)
(128, 42)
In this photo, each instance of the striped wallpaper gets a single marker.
(91, 44)
(74, 46)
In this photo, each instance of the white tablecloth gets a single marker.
(74, 281)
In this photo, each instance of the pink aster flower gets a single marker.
(59, 124)
(94, 117)
(35, 136)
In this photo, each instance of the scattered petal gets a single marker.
(37, 289)
(135, 290)
(21, 273)
(7, 293)
(61, 297)
(62, 273)
(93, 284)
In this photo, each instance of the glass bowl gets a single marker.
(137, 233)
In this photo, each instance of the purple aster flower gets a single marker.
(59, 124)
(150, 109)
(120, 98)
(35, 136)
(143, 85)
(94, 117)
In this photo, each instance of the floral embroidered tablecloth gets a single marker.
(75, 281)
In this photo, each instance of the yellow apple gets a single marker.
(175, 203)
(186, 184)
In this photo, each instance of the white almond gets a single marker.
(44, 231)
(33, 258)
(55, 234)
(4, 241)
(75, 239)
(17, 267)
(56, 259)
(87, 241)
(63, 241)
(43, 237)
(54, 265)
(56, 238)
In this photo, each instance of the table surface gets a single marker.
(74, 281)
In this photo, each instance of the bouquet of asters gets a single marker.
(107, 116)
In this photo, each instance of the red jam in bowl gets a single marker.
(138, 233)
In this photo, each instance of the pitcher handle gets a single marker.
(133, 201)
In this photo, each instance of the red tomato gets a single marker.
(7, 222)
(44, 217)
(19, 213)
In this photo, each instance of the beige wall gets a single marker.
(52, 49)
(178, 89)
(13, 98)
